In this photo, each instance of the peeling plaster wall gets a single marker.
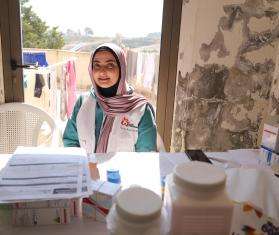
(227, 58)
(274, 95)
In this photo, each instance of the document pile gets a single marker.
(40, 180)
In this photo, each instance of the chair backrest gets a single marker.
(20, 125)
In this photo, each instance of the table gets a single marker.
(135, 168)
(144, 169)
(77, 227)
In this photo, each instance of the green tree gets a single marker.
(36, 34)
(88, 31)
(55, 39)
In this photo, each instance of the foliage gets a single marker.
(88, 31)
(36, 33)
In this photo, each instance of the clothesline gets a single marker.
(62, 62)
(46, 70)
(52, 88)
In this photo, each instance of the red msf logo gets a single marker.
(125, 121)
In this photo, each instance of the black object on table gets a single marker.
(197, 155)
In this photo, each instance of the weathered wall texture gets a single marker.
(227, 57)
(274, 95)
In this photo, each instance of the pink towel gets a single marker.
(71, 87)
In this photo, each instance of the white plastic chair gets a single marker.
(21, 124)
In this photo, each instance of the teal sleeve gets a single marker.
(147, 132)
(70, 135)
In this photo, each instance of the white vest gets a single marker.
(124, 132)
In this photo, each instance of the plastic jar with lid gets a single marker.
(137, 211)
(196, 200)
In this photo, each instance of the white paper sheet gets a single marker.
(45, 173)
(168, 161)
(257, 186)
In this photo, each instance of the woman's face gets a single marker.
(105, 69)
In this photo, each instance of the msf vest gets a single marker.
(124, 133)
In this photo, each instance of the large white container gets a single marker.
(137, 211)
(196, 200)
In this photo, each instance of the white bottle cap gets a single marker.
(138, 205)
(92, 158)
(199, 176)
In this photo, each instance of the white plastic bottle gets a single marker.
(137, 211)
(196, 200)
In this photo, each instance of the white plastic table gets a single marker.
(145, 169)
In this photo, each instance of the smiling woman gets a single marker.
(142, 19)
(112, 118)
(105, 68)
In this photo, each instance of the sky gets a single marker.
(130, 18)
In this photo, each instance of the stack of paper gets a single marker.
(45, 174)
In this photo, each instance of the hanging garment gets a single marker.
(134, 64)
(53, 92)
(139, 67)
(63, 94)
(71, 87)
(148, 70)
(39, 84)
(155, 83)
(48, 81)
(129, 65)
(35, 57)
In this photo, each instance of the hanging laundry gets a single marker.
(25, 82)
(148, 70)
(53, 93)
(48, 81)
(39, 84)
(139, 67)
(129, 67)
(71, 87)
(63, 94)
(134, 64)
(35, 57)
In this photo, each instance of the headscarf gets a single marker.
(122, 102)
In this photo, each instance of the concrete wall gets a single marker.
(81, 62)
(227, 57)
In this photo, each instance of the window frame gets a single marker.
(168, 68)
(10, 29)
(2, 94)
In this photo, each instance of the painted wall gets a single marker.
(227, 58)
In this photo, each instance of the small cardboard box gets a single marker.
(5, 215)
(270, 137)
(43, 204)
(46, 212)
(41, 216)
(98, 204)
(268, 157)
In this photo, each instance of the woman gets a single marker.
(111, 118)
